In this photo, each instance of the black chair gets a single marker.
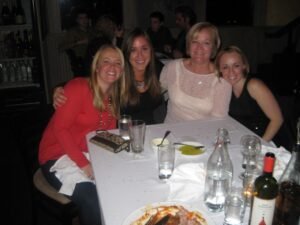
(53, 203)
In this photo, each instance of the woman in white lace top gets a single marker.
(195, 91)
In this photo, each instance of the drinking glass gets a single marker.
(251, 149)
(165, 160)
(234, 207)
(137, 135)
(124, 123)
(248, 183)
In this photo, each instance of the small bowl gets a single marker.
(156, 141)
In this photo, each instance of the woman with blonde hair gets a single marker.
(252, 102)
(195, 91)
(93, 104)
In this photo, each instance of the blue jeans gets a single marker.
(84, 196)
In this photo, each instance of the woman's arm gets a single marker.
(268, 104)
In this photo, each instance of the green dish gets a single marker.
(190, 150)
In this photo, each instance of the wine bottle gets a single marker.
(5, 14)
(265, 193)
(287, 209)
(20, 15)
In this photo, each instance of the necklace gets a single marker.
(139, 84)
(104, 125)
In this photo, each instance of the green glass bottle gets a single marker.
(265, 193)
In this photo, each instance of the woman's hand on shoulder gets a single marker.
(59, 97)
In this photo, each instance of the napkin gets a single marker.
(69, 174)
(282, 158)
(187, 182)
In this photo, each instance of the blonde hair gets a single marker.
(115, 90)
(231, 49)
(195, 29)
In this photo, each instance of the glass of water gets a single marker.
(124, 123)
(234, 207)
(251, 148)
(165, 160)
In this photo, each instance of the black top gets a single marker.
(246, 110)
(143, 110)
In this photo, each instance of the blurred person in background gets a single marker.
(159, 34)
(185, 18)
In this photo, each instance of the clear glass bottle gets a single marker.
(219, 173)
(287, 208)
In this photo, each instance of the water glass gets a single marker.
(251, 148)
(234, 207)
(248, 184)
(124, 123)
(165, 160)
(137, 135)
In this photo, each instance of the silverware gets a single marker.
(194, 146)
(162, 141)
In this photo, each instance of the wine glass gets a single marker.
(251, 148)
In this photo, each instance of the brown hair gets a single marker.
(130, 94)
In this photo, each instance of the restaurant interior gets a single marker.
(267, 30)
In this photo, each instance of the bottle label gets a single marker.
(262, 211)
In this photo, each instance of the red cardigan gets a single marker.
(66, 131)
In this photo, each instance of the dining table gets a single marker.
(126, 181)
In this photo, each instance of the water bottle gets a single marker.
(219, 172)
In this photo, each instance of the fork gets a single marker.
(179, 143)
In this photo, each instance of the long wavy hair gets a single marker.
(98, 100)
(130, 94)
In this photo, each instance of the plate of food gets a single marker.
(190, 148)
(167, 213)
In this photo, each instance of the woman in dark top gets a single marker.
(252, 102)
(141, 93)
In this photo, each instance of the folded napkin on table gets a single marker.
(282, 158)
(69, 174)
(187, 182)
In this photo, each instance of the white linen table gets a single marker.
(126, 182)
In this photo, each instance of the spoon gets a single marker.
(166, 135)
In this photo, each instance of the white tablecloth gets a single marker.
(126, 182)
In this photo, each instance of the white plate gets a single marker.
(140, 212)
(192, 143)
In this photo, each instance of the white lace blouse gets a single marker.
(193, 96)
